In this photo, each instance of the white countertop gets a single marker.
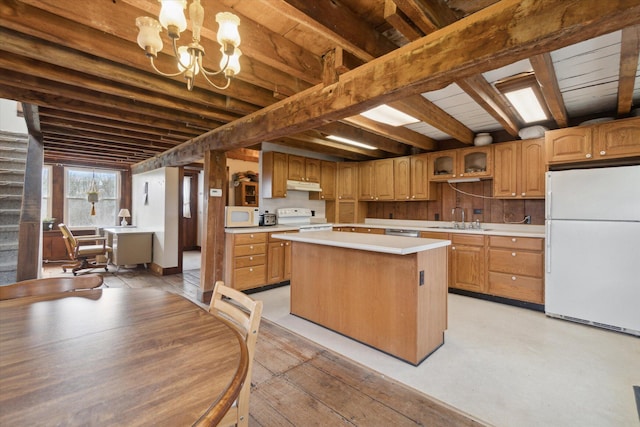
(128, 230)
(397, 245)
(516, 230)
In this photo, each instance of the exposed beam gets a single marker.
(513, 30)
(429, 16)
(629, 51)
(393, 16)
(300, 142)
(421, 108)
(546, 75)
(382, 142)
(493, 102)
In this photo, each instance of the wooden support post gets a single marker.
(215, 178)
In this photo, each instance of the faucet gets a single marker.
(453, 217)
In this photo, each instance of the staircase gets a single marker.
(13, 155)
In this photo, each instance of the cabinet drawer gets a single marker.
(467, 239)
(256, 249)
(247, 238)
(249, 277)
(516, 287)
(249, 261)
(434, 235)
(528, 243)
(516, 262)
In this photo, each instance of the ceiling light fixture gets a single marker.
(389, 115)
(525, 96)
(350, 142)
(189, 57)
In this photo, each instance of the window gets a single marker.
(77, 209)
(45, 205)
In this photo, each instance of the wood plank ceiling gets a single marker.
(100, 103)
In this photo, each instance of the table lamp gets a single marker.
(124, 213)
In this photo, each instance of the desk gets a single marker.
(130, 245)
(115, 357)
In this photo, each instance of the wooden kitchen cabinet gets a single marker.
(328, 176)
(472, 162)
(519, 169)
(53, 247)
(278, 260)
(467, 258)
(274, 174)
(347, 181)
(516, 268)
(421, 187)
(303, 169)
(369, 230)
(610, 140)
(246, 194)
(443, 165)
(402, 178)
(245, 260)
(375, 180)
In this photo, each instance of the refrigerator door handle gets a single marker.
(547, 252)
(548, 203)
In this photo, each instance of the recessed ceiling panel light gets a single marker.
(526, 102)
(350, 142)
(389, 115)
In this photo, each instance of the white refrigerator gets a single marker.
(592, 265)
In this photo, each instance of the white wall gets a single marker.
(159, 212)
(294, 199)
(9, 120)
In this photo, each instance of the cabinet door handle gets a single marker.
(514, 239)
(250, 268)
(602, 153)
(250, 258)
(513, 254)
(513, 277)
(251, 247)
(453, 248)
(251, 236)
(513, 194)
(281, 244)
(523, 194)
(588, 156)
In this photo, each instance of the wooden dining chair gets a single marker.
(49, 285)
(84, 250)
(245, 313)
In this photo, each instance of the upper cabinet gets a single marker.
(411, 178)
(274, 174)
(519, 169)
(303, 169)
(347, 181)
(472, 162)
(610, 140)
(328, 176)
(375, 179)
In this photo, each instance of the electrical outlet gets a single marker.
(527, 219)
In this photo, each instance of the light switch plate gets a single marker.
(215, 192)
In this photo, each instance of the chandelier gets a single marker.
(189, 57)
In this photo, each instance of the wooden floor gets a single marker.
(299, 383)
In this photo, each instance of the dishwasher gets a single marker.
(401, 232)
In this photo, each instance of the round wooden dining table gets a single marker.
(115, 357)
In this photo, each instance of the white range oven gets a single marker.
(302, 218)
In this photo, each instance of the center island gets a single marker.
(389, 292)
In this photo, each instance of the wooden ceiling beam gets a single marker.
(107, 132)
(546, 75)
(429, 16)
(303, 142)
(100, 100)
(492, 101)
(132, 143)
(338, 24)
(506, 32)
(629, 51)
(399, 133)
(423, 109)
(83, 81)
(168, 131)
(397, 20)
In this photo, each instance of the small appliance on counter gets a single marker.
(241, 216)
(267, 219)
(301, 217)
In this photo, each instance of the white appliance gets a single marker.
(592, 266)
(241, 216)
(303, 218)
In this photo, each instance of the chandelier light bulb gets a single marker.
(232, 64)
(186, 59)
(228, 30)
(149, 36)
(172, 15)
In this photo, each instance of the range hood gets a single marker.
(303, 186)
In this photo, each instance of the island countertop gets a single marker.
(397, 245)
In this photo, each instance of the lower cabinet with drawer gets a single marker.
(467, 262)
(516, 268)
(245, 260)
(278, 260)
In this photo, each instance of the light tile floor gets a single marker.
(506, 365)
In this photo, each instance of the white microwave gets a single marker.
(241, 216)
